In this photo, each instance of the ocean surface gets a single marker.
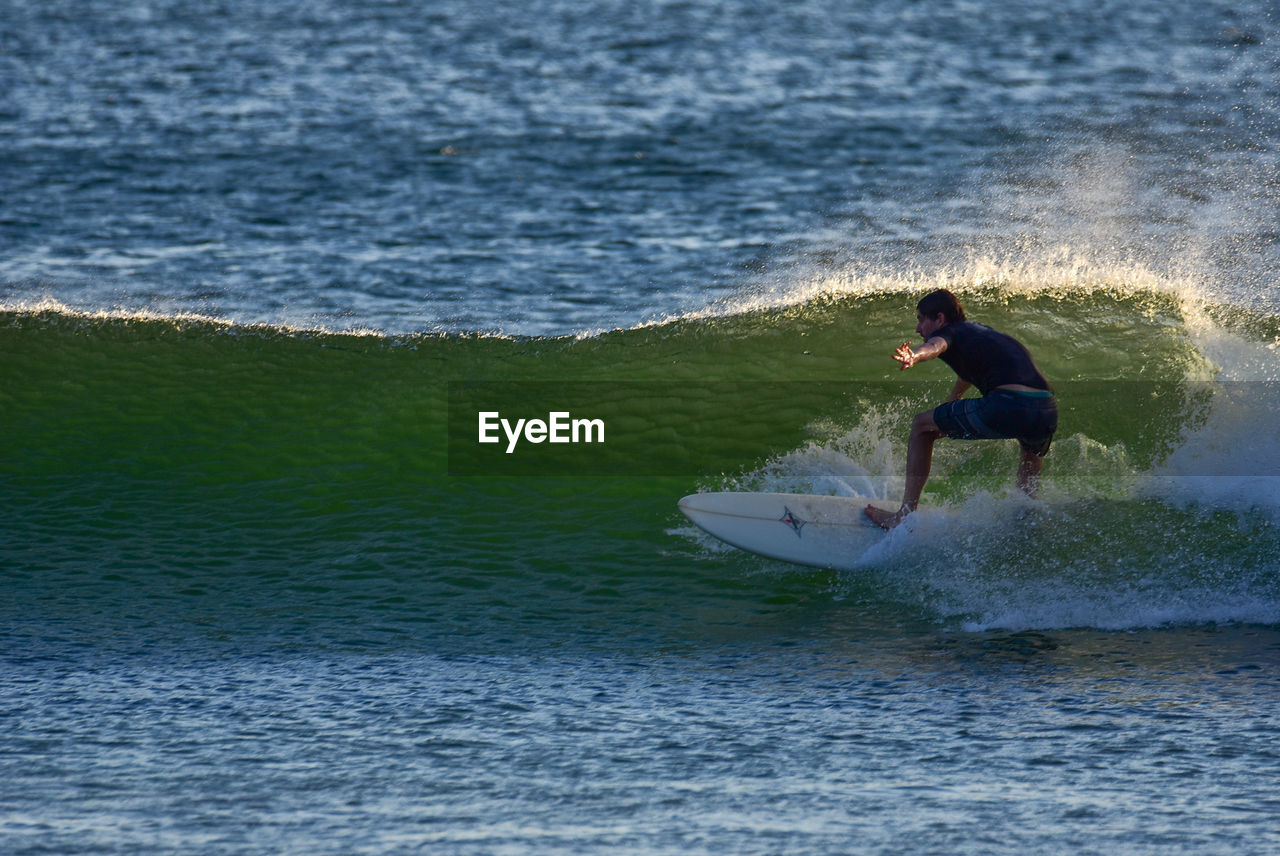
(265, 592)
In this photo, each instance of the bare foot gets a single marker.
(886, 519)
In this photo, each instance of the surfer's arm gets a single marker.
(929, 350)
(958, 391)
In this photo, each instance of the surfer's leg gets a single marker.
(1040, 423)
(924, 432)
(1029, 473)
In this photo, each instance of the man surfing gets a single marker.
(1017, 401)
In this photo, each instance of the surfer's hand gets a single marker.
(905, 356)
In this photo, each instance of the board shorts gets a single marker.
(1031, 418)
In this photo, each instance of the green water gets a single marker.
(278, 479)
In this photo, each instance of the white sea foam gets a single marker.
(1231, 461)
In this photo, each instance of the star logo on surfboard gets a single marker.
(791, 520)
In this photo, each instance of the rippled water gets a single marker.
(249, 607)
(552, 166)
(854, 739)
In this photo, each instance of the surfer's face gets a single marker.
(927, 326)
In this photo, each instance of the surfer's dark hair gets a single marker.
(941, 302)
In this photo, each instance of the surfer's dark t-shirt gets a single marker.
(987, 358)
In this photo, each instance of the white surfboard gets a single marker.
(822, 531)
